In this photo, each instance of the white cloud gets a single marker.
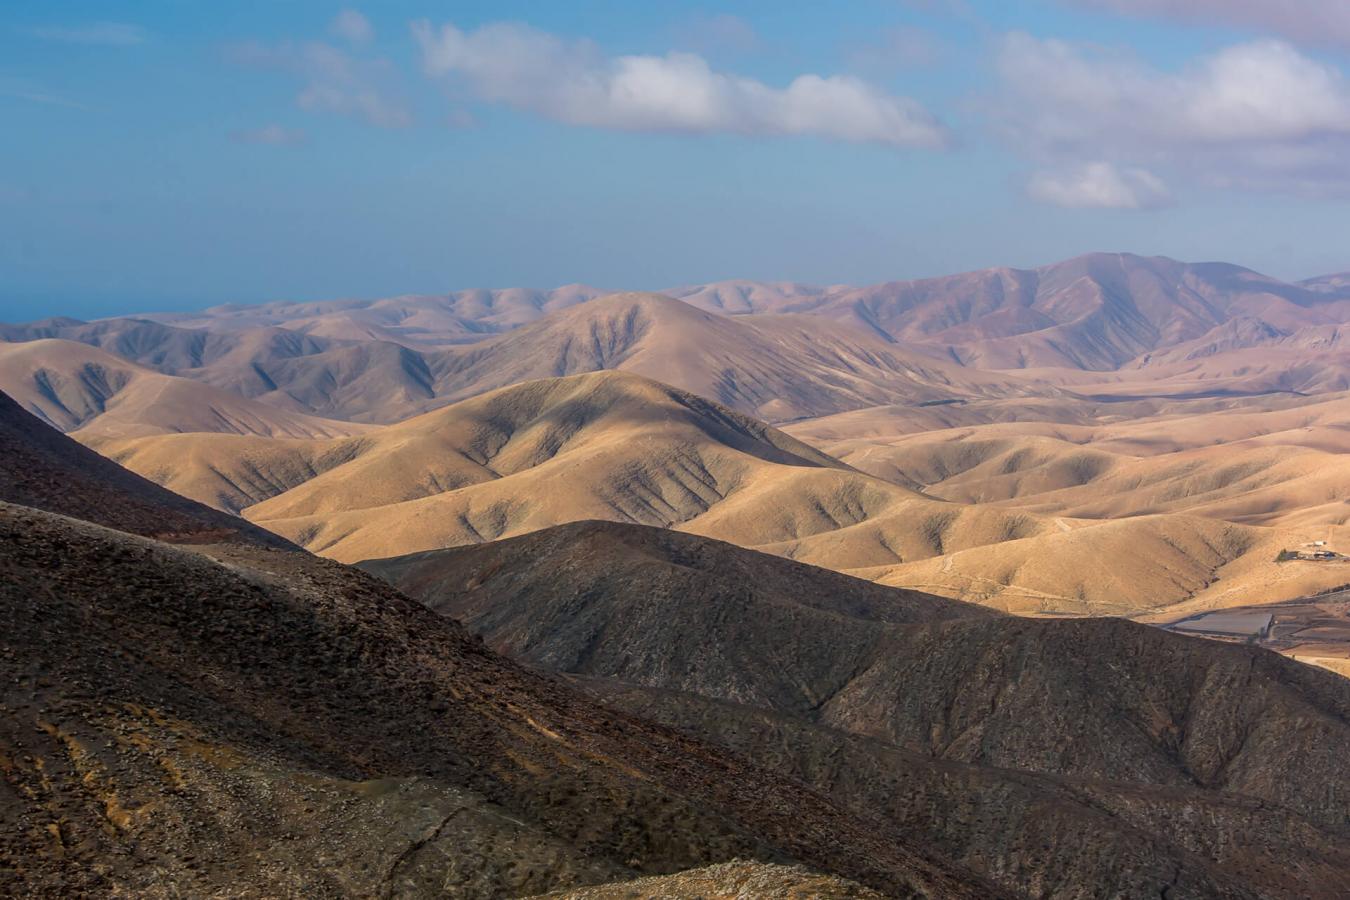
(1321, 22)
(351, 25)
(572, 82)
(333, 80)
(276, 135)
(1099, 185)
(1261, 91)
(106, 34)
(1259, 114)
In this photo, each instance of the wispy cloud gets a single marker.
(572, 82)
(1099, 185)
(31, 93)
(1259, 114)
(333, 80)
(105, 34)
(275, 135)
(1318, 22)
(352, 26)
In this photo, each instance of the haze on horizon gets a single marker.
(162, 155)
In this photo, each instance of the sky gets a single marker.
(175, 154)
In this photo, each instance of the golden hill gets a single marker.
(74, 386)
(775, 367)
(614, 446)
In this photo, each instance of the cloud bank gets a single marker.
(571, 82)
(333, 80)
(1259, 114)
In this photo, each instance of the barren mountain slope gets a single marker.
(1096, 312)
(365, 379)
(617, 447)
(1329, 284)
(1272, 479)
(416, 320)
(599, 446)
(775, 368)
(734, 879)
(601, 598)
(166, 737)
(742, 297)
(40, 467)
(173, 350)
(77, 386)
(1093, 312)
(1093, 713)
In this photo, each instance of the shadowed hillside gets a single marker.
(1095, 742)
(237, 718)
(41, 468)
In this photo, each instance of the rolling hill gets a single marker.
(74, 386)
(774, 367)
(614, 446)
(1095, 312)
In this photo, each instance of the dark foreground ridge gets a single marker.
(1059, 758)
(228, 719)
(44, 469)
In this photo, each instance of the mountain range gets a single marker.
(226, 712)
(1182, 473)
(742, 589)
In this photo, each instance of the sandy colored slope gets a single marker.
(1097, 312)
(776, 368)
(1181, 502)
(417, 320)
(76, 386)
(599, 446)
(613, 446)
(1282, 465)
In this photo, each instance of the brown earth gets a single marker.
(242, 719)
(1049, 755)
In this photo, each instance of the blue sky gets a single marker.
(172, 154)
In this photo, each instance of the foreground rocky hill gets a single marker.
(1049, 755)
(240, 718)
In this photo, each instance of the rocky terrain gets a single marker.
(733, 879)
(1045, 754)
(42, 468)
(1159, 432)
(244, 718)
